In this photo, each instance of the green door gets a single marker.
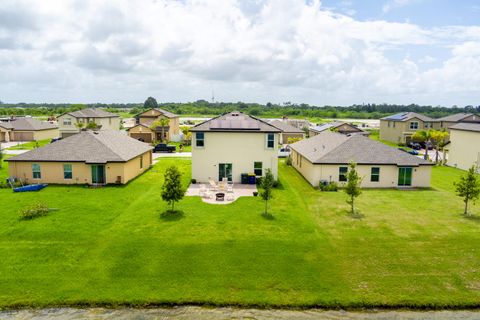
(225, 171)
(98, 174)
(404, 177)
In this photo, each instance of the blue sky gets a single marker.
(317, 52)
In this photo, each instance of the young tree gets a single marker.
(172, 190)
(468, 187)
(150, 103)
(353, 186)
(162, 123)
(267, 186)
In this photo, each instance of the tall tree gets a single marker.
(172, 190)
(352, 187)
(150, 103)
(468, 187)
(439, 138)
(162, 123)
(266, 184)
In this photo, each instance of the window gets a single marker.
(67, 171)
(36, 171)
(413, 125)
(270, 140)
(375, 174)
(141, 162)
(258, 168)
(67, 121)
(342, 174)
(200, 139)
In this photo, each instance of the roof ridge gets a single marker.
(96, 136)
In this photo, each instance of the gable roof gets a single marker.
(235, 122)
(166, 113)
(91, 113)
(140, 125)
(334, 148)
(285, 126)
(455, 117)
(27, 124)
(405, 116)
(88, 146)
(334, 124)
(466, 126)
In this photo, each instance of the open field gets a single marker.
(114, 245)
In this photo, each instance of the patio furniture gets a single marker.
(230, 187)
(202, 190)
(213, 185)
(230, 196)
(220, 196)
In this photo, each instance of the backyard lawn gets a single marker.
(114, 245)
(30, 145)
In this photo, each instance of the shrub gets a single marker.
(288, 161)
(332, 186)
(34, 211)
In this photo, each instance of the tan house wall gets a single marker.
(149, 116)
(46, 134)
(239, 148)
(140, 131)
(398, 131)
(106, 123)
(52, 172)
(4, 135)
(464, 149)
(313, 173)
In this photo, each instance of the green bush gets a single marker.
(34, 211)
(332, 186)
(288, 161)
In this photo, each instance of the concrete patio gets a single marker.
(209, 195)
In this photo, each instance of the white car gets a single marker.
(284, 152)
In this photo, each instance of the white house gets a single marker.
(464, 147)
(231, 145)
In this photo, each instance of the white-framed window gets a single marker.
(200, 139)
(258, 168)
(270, 140)
(342, 174)
(67, 171)
(36, 171)
(414, 125)
(67, 121)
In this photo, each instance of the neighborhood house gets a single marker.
(143, 130)
(464, 147)
(233, 144)
(89, 157)
(71, 123)
(287, 131)
(325, 157)
(338, 126)
(26, 129)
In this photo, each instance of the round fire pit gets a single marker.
(220, 196)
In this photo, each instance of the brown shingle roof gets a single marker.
(235, 122)
(90, 147)
(466, 126)
(334, 148)
(285, 127)
(27, 124)
(455, 117)
(166, 113)
(92, 113)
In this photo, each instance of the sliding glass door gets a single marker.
(98, 174)
(404, 177)
(225, 171)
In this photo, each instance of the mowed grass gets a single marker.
(30, 145)
(114, 245)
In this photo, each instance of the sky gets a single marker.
(300, 51)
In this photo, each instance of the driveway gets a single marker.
(14, 152)
(6, 145)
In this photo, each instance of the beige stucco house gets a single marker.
(142, 130)
(448, 121)
(464, 147)
(89, 157)
(27, 129)
(287, 131)
(338, 126)
(233, 144)
(326, 156)
(400, 127)
(68, 121)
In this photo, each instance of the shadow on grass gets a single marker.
(172, 215)
(472, 217)
(268, 216)
(357, 215)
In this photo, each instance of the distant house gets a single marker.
(448, 121)
(144, 132)
(464, 147)
(326, 156)
(27, 129)
(338, 126)
(400, 127)
(68, 122)
(287, 131)
(233, 144)
(89, 157)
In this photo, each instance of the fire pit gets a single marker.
(220, 196)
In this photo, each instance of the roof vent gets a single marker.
(235, 114)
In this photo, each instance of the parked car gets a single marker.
(284, 152)
(430, 145)
(163, 147)
(414, 145)
(55, 139)
(412, 152)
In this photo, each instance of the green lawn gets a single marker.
(113, 246)
(177, 144)
(30, 145)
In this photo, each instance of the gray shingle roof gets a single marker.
(466, 126)
(405, 116)
(285, 127)
(90, 147)
(27, 124)
(455, 117)
(235, 122)
(166, 113)
(334, 124)
(334, 148)
(92, 113)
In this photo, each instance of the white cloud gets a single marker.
(264, 50)
(394, 4)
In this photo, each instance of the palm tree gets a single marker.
(426, 137)
(162, 123)
(439, 138)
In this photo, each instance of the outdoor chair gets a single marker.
(213, 185)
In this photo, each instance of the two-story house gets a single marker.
(70, 123)
(400, 127)
(233, 144)
(144, 131)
